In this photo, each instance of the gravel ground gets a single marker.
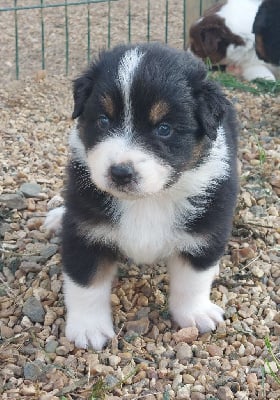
(149, 359)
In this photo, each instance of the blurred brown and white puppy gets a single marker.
(152, 176)
(224, 36)
(267, 31)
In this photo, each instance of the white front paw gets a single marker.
(89, 330)
(53, 221)
(204, 315)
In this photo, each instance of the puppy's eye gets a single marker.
(103, 122)
(163, 130)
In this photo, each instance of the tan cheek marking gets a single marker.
(108, 105)
(198, 152)
(260, 47)
(158, 111)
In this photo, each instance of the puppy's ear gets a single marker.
(211, 103)
(211, 107)
(260, 21)
(82, 88)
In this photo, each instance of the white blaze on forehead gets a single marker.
(128, 65)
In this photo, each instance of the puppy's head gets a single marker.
(145, 114)
(267, 31)
(210, 38)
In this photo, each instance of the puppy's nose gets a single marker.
(122, 174)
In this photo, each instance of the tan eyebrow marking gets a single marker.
(108, 105)
(158, 111)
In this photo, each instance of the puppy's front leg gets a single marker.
(89, 321)
(88, 274)
(189, 301)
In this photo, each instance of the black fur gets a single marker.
(197, 108)
(267, 27)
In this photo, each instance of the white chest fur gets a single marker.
(150, 229)
(147, 230)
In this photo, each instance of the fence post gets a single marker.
(192, 10)
(66, 37)
(88, 33)
(191, 13)
(16, 41)
(42, 35)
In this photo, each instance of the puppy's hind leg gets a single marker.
(189, 300)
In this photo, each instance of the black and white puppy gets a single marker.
(152, 176)
(267, 31)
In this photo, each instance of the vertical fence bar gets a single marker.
(201, 7)
(88, 32)
(66, 38)
(166, 21)
(185, 23)
(148, 20)
(129, 21)
(16, 41)
(109, 25)
(42, 35)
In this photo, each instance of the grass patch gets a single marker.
(100, 389)
(272, 367)
(261, 150)
(258, 86)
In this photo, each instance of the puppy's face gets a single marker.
(267, 32)
(210, 38)
(146, 115)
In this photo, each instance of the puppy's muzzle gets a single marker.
(122, 174)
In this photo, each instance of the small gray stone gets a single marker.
(114, 360)
(224, 393)
(111, 381)
(62, 351)
(48, 251)
(30, 189)
(198, 388)
(262, 331)
(33, 370)
(183, 351)
(51, 346)
(257, 271)
(197, 396)
(4, 227)
(143, 312)
(189, 379)
(30, 266)
(177, 381)
(140, 326)
(29, 349)
(13, 200)
(183, 393)
(54, 270)
(34, 310)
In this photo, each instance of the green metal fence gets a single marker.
(62, 36)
